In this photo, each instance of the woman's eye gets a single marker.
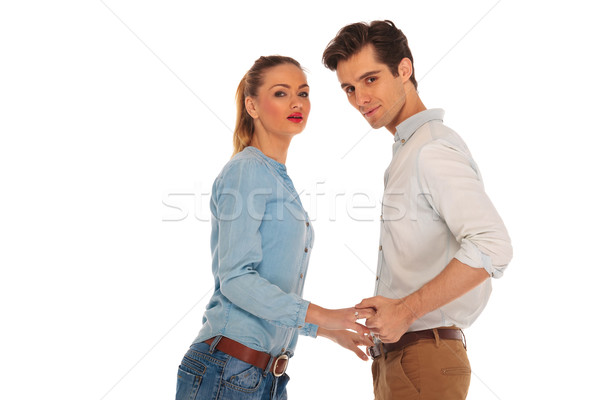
(303, 94)
(279, 93)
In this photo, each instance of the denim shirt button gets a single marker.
(306, 249)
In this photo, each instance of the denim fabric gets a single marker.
(215, 375)
(261, 242)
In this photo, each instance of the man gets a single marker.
(441, 238)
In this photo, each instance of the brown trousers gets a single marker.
(428, 369)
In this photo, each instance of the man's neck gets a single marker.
(412, 106)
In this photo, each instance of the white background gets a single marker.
(111, 111)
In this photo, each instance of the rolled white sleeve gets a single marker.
(452, 182)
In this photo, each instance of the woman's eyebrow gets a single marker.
(288, 86)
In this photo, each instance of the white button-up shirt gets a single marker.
(434, 209)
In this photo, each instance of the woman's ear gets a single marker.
(251, 107)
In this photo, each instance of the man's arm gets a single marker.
(394, 316)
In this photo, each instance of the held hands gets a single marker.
(391, 319)
(388, 319)
(338, 326)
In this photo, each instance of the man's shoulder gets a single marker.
(440, 134)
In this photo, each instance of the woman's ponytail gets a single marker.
(244, 125)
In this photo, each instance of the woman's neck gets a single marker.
(272, 146)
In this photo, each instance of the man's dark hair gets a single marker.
(389, 42)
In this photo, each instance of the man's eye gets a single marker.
(371, 79)
(349, 90)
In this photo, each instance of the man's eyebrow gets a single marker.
(363, 76)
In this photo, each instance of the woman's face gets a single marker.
(281, 106)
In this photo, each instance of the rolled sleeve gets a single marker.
(448, 173)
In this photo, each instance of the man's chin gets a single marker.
(375, 124)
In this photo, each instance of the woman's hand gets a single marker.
(349, 340)
(340, 319)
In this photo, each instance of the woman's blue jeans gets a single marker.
(209, 374)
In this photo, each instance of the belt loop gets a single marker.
(214, 344)
(436, 335)
(382, 349)
(269, 366)
(464, 339)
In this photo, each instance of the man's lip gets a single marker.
(371, 111)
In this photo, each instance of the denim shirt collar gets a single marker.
(279, 167)
(405, 130)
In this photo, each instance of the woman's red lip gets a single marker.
(295, 117)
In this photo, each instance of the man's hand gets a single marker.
(392, 317)
(349, 340)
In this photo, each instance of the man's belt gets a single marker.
(413, 337)
(251, 356)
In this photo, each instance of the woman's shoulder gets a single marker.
(244, 159)
(245, 163)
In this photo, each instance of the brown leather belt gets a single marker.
(413, 337)
(251, 356)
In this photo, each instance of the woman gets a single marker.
(261, 242)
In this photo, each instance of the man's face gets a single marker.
(372, 89)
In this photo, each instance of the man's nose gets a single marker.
(362, 97)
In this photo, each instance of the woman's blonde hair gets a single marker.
(252, 80)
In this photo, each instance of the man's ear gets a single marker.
(251, 107)
(405, 69)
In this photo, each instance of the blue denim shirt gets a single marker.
(261, 242)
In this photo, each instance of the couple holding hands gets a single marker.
(441, 238)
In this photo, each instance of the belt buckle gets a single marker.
(375, 351)
(276, 372)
